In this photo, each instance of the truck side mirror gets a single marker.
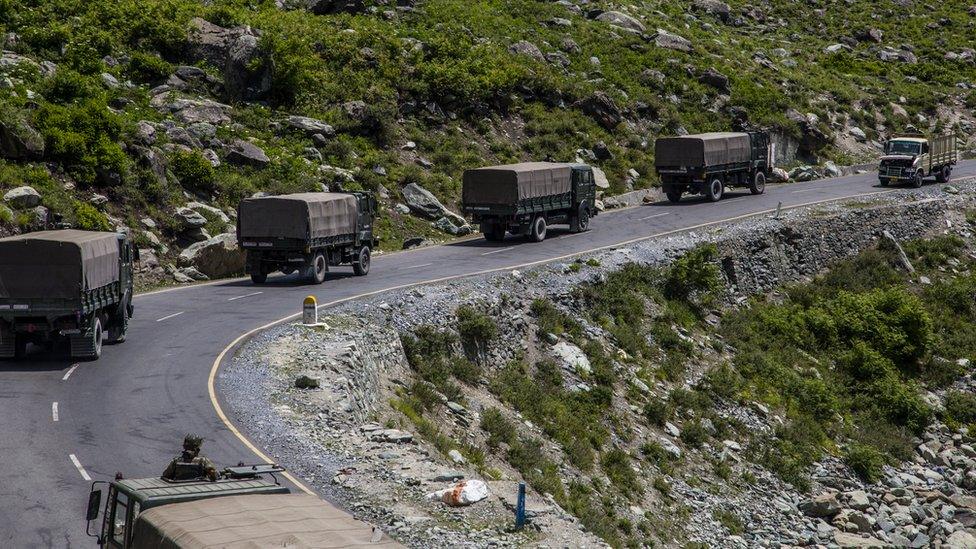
(94, 502)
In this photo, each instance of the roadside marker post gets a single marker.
(310, 311)
(520, 507)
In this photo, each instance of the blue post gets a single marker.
(520, 508)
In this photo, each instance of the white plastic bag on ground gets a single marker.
(463, 493)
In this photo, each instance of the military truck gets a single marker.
(709, 163)
(911, 159)
(306, 232)
(246, 507)
(65, 284)
(524, 199)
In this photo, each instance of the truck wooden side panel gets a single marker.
(942, 151)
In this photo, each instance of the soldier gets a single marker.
(190, 465)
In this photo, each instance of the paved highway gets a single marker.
(65, 423)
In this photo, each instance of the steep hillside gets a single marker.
(161, 115)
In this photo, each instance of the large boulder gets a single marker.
(309, 126)
(244, 153)
(190, 219)
(22, 198)
(572, 357)
(671, 41)
(715, 79)
(237, 51)
(423, 203)
(19, 141)
(714, 7)
(821, 506)
(622, 20)
(527, 49)
(602, 108)
(217, 257)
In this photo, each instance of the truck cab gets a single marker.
(128, 499)
(910, 159)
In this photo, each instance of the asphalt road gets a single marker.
(128, 412)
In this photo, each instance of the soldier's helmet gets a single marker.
(192, 443)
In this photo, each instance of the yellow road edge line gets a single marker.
(211, 389)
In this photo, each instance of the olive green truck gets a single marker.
(306, 232)
(241, 510)
(524, 199)
(65, 284)
(709, 163)
(911, 159)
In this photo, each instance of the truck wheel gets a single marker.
(917, 180)
(361, 265)
(581, 221)
(674, 195)
(758, 184)
(884, 182)
(495, 233)
(715, 190)
(89, 346)
(537, 233)
(943, 175)
(259, 278)
(318, 268)
(20, 347)
(116, 334)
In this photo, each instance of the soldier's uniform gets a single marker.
(190, 465)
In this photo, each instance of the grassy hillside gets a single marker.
(418, 94)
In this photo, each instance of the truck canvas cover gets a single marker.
(702, 150)
(511, 183)
(301, 215)
(57, 264)
(253, 521)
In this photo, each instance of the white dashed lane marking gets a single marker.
(655, 215)
(170, 316)
(499, 251)
(54, 411)
(245, 295)
(69, 372)
(84, 473)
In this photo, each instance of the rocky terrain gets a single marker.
(157, 117)
(670, 439)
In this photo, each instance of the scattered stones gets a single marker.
(602, 108)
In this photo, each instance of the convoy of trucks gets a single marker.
(306, 232)
(524, 199)
(911, 159)
(243, 508)
(65, 284)
(708, 163)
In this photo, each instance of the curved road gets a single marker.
(129, 411)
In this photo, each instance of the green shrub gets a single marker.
(662, 486)
(476, 328)
(194, 171)
(144, 67)
(694, 434)
(695, 273)
(89, 219)
(500, 430)
(730, 521)
(616, 465)
(552, 320)
(658, 412)
(960, 407)
(865, 461)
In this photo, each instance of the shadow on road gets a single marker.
(293, 280)
(39, 359)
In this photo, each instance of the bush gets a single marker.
(960, 407)
(144, 67)
(658, 412)
(475, 327)
(694, 434)
(695, 273)
(865, 461)
(194, 171)
(552, 320)
(500, 430)
(616, 465)
(89, 219)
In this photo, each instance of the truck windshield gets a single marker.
(903, 147)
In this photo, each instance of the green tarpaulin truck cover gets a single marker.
(57, 264)
(511, 183)
(300, 215)
(296, 521)
(702, 150)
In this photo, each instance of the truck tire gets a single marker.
(758, 185)
(537, 232)
(361, 265)
(944, 174)
(317, 269)
(20, 347)
(715, 190)
(116, 334)
(88, 346)
(674, 195)
(884, 182)
(259, 278)
(917, 180)
(495, 233)
(580, 223)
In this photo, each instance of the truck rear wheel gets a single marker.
(674, 195)
(944, 174)
(361, 265)
(495, 233)
(917, 180)
(318, 268)
(259, 278)
(89, 346)
(715, 190)
(758, 184)
(537, 232)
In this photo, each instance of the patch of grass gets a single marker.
(616, 465)
(730, 521)
(552, 320)
(866, 461)
(500, 430)
(694, 434)
(476, 328)
(960, 407)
